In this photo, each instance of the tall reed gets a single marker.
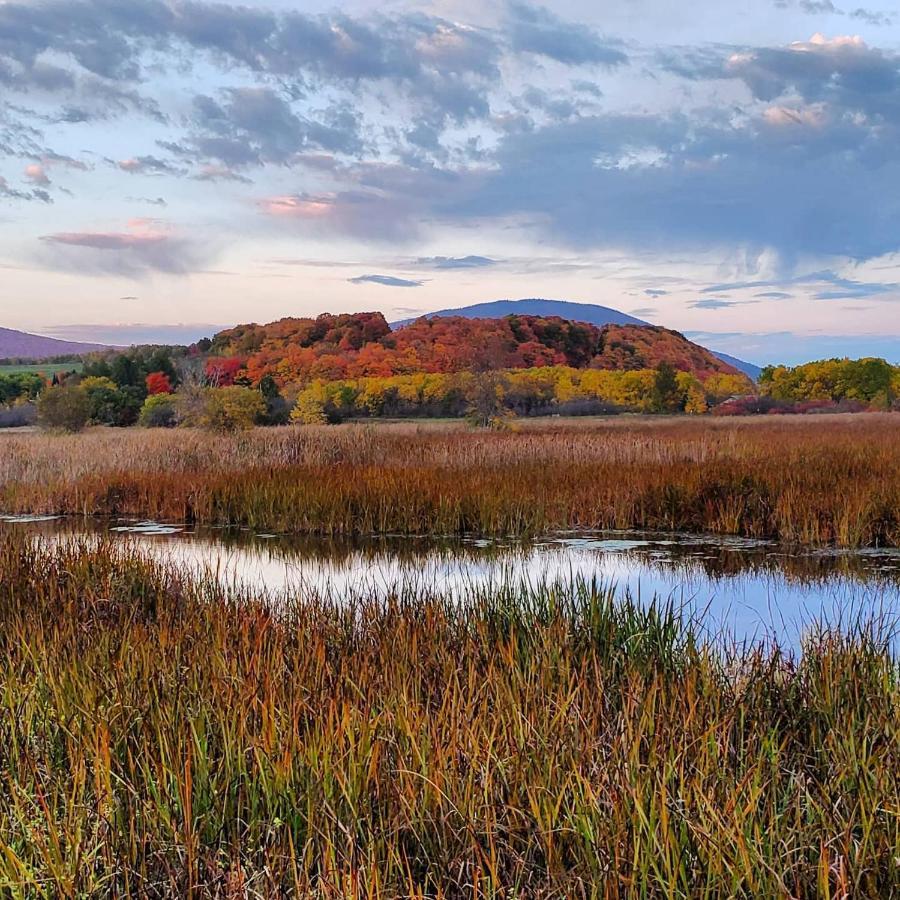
(823, 480)
(161, 737)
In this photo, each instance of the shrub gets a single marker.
(159, 411)
(18, 416)
(64, 408)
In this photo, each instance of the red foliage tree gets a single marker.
(222, 370)
(158, 383)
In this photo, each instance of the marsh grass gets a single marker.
(832, 480)
(164, 736)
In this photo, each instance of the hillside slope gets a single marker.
(22, 345)
(566, 309)
(356, 345)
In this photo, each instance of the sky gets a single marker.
(727, 168)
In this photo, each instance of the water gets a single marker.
(746, 589)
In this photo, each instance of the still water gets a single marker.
(737, 588)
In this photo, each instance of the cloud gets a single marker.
(535, 29)
(257, 125)
(144, 248)
(386, 280)
(11, 193)
(220, 173)
(711, 303)
(840, 287)
(150, 201)
(455, 262)
(382, 203)
(147, 165)
(655, 292)
(387, 125)
(826, 7)
(37, 174)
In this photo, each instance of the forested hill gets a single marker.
(363, 344)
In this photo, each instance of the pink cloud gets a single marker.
(37, 174)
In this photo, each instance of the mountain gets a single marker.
(563, 309)
(21, 345)
(334, 347)
(751, 370)
(592, 313)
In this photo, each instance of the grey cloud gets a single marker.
(10, 193)
(134, 253)
(150, 201)
(259, 125)
(655, 292)
(455, 262)
(870, 17)
(436, 61)
(386, 280)
(844, 72)
(534, 29)
(842, 288)
(711, 303)
(826, 7)
(707, 182)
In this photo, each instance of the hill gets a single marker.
(566, 309)
(358, 345)
(751, 370)
(22, 345)
(562, 309)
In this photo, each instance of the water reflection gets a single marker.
(745, 587)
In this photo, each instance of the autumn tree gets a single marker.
(233, 408)
(158, 383)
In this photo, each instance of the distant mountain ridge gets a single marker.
(592, 313)
(22, 345)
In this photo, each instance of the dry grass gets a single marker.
(816, 480)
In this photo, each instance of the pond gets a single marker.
(744, 589)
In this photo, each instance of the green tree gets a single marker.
(666, 397)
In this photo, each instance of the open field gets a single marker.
(816, 480)
(41, 368)
(163, 738)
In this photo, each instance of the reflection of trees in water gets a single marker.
(793, 564)
(691, 559)
(687, 560)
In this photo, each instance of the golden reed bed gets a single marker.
(815, 479)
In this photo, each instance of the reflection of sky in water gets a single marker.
(748, 588)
